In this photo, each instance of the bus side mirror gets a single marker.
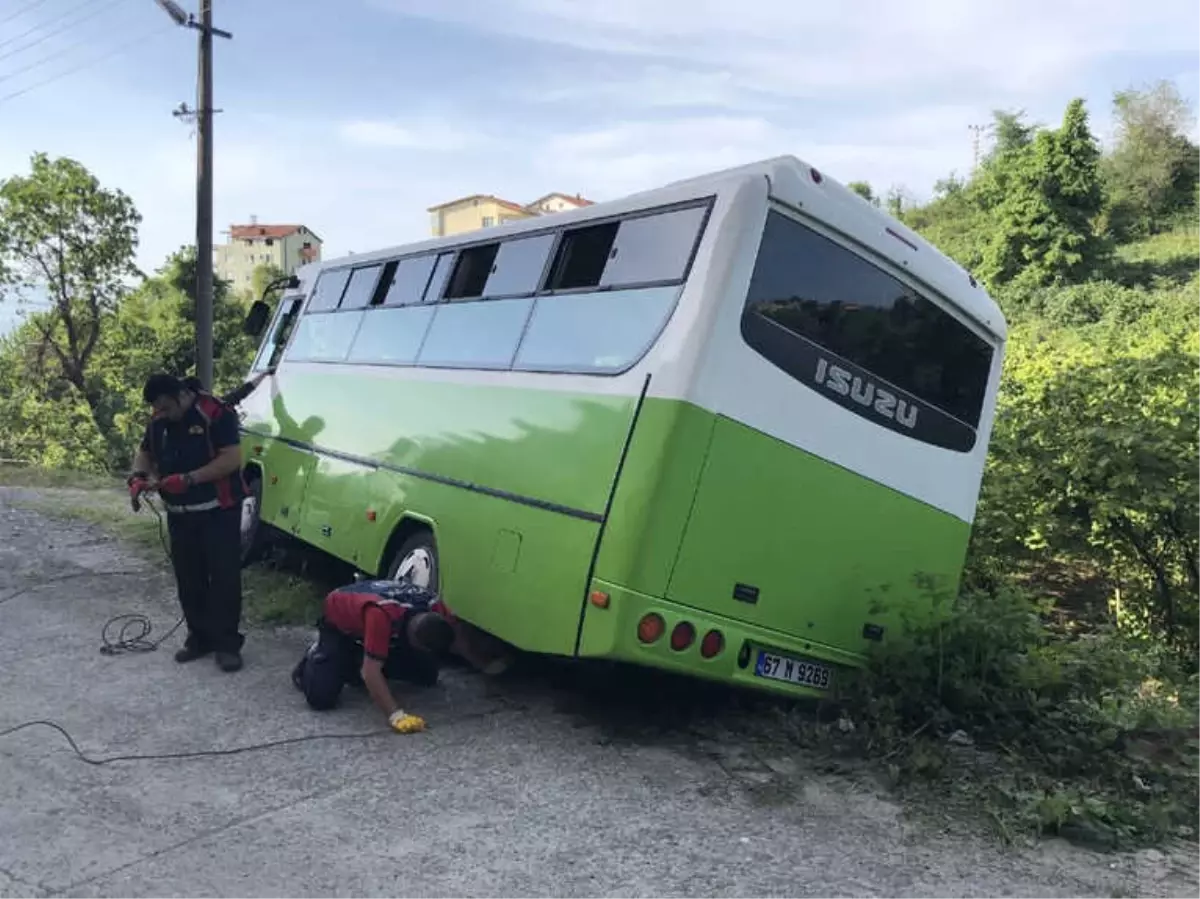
(256, 318)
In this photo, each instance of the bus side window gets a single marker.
(637, 251)
(327, 292)
(409, 280)
(654, 249)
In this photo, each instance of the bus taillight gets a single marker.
(712, 644)
(651, 627)
(682, 636)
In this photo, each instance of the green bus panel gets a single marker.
(512, 483)
(654, 497)
(782, 539)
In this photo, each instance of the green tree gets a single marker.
(1153, 170)
(898, 200)
(151, 329)
(863, 189)
(1045, 199)
(261, 277)
(1010, 133)
(67, 237)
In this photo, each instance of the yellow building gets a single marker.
(285, 247)
(485, 211)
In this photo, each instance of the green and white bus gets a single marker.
(703, 428)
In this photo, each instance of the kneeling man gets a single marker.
(368, 632)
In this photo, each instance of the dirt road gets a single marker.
(517, 788)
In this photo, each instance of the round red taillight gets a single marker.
(651, 627)
(816, 176)
(712, 644)
(682, 636)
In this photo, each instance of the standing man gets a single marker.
(191, 455)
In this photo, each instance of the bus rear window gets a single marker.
(817, 291)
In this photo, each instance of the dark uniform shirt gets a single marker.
(177, 447)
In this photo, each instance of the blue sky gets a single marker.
(353, 116)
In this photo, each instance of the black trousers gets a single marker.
(333, 661)
(206, 554)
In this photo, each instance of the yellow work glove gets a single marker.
(404, 723)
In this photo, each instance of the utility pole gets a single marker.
(977, 132)
(204, 181)
(204, 200)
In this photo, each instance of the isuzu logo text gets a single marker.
(866, 393)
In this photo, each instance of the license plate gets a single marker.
(794, 671)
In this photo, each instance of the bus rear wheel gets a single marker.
(416, 561)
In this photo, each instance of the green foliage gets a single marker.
(863, 189)
(262, 276)
(64, 235)
(1011, 133)
(1154, 169)
(1081, 734)
(151, 329)
(1093, 458)
(1044, 200)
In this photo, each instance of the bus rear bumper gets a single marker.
(611, 631)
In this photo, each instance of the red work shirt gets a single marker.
(372, 611)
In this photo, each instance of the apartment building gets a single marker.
(485, 211)
(286, 247)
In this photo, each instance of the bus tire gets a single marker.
(253, 538)
(416, 561)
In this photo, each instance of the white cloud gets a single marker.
(914, 147)
(872, 90)
(654, 88)
(796, 49)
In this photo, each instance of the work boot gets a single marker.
(189, 654)
(229, 661)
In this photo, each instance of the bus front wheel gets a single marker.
(416, 561)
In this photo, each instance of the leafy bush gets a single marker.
(1091, 734)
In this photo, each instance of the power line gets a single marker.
(28, 7)
(5, 76)
(70, 23)
(37, 28)
(120, 48)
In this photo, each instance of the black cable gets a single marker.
(66, 17)
(120, 48)
(236, 750)
(134, 627)
(69, 577)
(198, 753)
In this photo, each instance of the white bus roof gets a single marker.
(794, 183)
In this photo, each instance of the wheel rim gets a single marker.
(417, 567)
